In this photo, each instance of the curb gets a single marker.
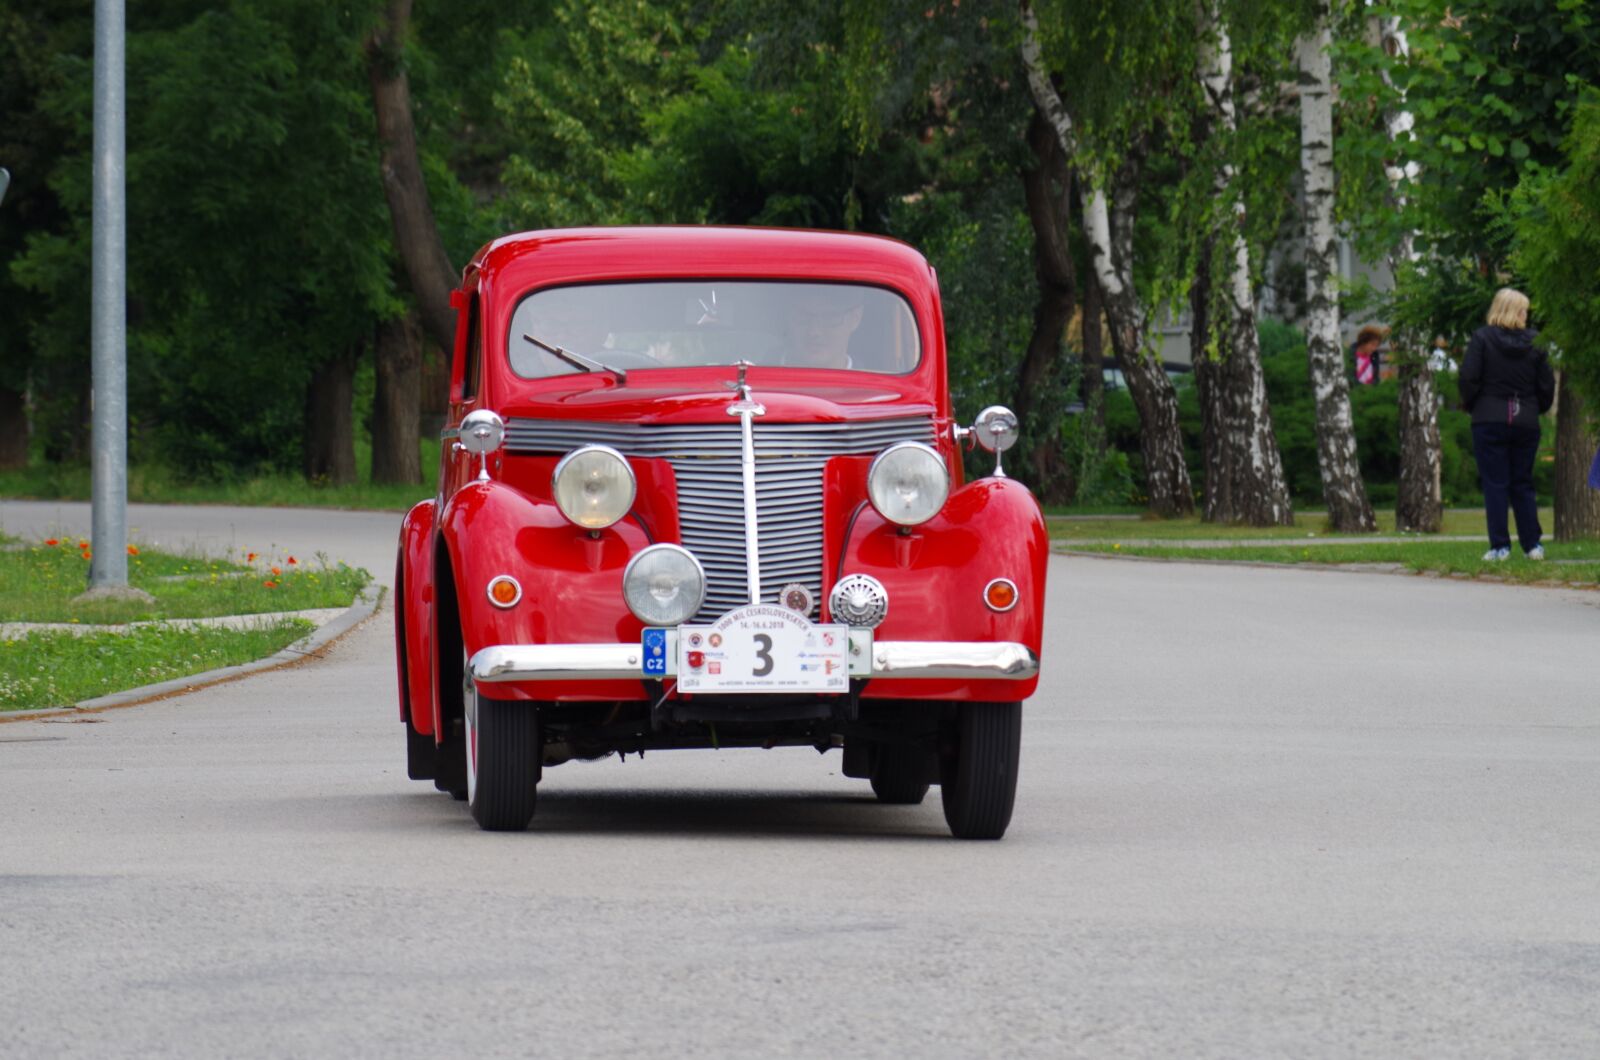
(311, 646)
(1331, 568)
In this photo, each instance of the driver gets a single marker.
(818, 323)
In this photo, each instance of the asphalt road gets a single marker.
(1262, 813)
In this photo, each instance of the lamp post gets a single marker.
(108, 567)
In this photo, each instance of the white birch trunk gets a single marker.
(1419, 504)
(1255, 491)
(1342, 488)
(1110, 239)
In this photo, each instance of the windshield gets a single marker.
(688, 323)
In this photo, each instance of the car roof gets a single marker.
(573, 254)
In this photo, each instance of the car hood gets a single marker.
(706, 398)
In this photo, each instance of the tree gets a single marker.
(1557, 250)
(1342, 488)
(258, 249)
(1109, 211)
(416, 232)
(1249, 486)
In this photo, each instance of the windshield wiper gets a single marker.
(578, 360)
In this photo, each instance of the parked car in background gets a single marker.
(702, 488)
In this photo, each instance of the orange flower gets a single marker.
(52, 542)
(292, 561)
(276, 571)
(83, 544)
(133, 550)
(84, 554)
(250, 557)
(270, 584)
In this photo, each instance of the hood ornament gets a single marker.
(746, 403)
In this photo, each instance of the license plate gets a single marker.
(763, 648)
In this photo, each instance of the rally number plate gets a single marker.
(763, 648)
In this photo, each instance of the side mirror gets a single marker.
(481, 433)
(996, 430)
(5, 182)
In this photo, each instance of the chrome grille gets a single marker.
(705, 458)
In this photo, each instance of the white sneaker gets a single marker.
(1495, 555)
(1536, 553)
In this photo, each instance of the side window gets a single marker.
(469, 372)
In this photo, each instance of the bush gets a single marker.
(1376, 413)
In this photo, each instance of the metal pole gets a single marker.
(108, 569)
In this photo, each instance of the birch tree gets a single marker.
(1419, 506)
(1346, 496)
(1245, 482)
(1108, 213)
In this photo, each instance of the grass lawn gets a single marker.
(1315, 523)
(59, 669)
(1443, 557)
(38, 584)
(159, 485)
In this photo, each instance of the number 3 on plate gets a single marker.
(764, 653)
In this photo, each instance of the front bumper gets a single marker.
(974, 660)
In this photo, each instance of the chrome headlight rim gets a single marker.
(874, 485)
(568, 461)
(699, 598)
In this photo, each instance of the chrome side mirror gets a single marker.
(482, 432)
(996, 430)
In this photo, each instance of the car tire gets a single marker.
(978, 781)
(899, 774)
(503, 754)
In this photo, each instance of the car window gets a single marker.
(689, 323)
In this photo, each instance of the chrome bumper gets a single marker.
(976, 660)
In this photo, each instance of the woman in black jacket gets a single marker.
(1506, 383)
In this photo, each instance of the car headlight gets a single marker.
(908, 483)
(664, 585)
(593, 486)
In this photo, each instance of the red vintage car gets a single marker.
(702, 487)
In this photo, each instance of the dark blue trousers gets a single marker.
(1505, 467)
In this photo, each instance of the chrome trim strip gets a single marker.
(1005, 660)
(975, 660)
(747, 408)
(557, 662)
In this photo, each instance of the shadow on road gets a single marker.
(620, 812)
(755, 815)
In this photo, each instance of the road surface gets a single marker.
(1262, 813)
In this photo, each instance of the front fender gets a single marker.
(935, 575)
(571, 580)
(413, 616)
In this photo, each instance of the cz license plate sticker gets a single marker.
(763, 648)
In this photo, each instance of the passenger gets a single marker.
(818, 324)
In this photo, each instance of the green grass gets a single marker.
(38, 584)
(59, 669)
(1316, 523)
(154, 484)
(1442, 557)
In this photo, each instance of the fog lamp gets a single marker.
(664, 585)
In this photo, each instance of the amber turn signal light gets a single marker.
(1000, 594)
(504, 591)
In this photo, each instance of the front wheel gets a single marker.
(979, 773)
(503, 756)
